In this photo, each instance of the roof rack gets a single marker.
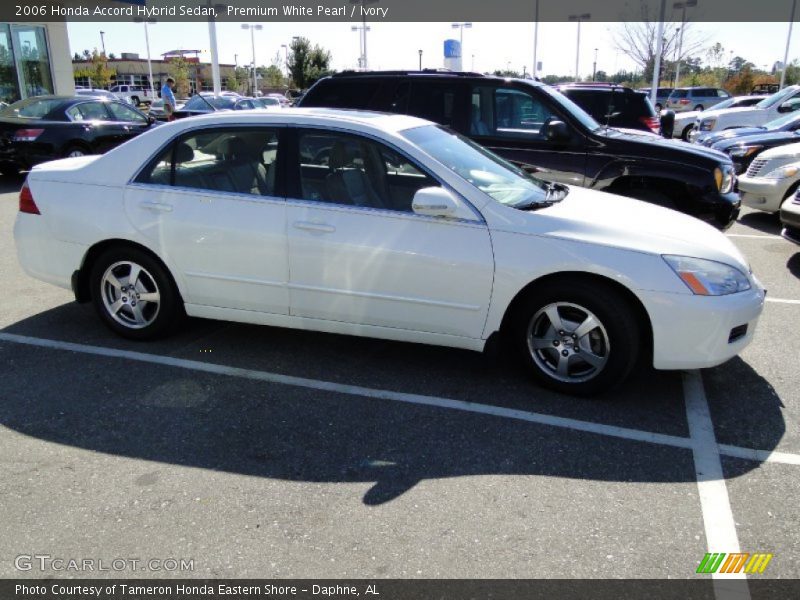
(595, 84)
(422, 72)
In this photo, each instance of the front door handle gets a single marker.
(155, 206)
(319, 227)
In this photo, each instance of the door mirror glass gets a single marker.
(434, 202)
(556, 131)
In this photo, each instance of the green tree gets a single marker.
(179, 71)
(100, 74)
(307, 64)
(273, 76)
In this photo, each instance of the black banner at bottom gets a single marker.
(395, 589)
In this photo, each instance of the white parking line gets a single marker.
(782, 300)
(754, 236)
(434, 401)
(717, 515)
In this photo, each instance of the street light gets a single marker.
(253, 29)
(147, 44)
(788, 41)
(362, 61)
(362, 40)
(682, 6)
(461, 27)
(594, 67)
(103, 41)
(579, 19)
(420, 59)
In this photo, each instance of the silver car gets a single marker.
(697, 98)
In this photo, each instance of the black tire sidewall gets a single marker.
(170, 311)
(614, 312)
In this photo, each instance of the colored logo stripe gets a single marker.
(710, 562)
(758, 563)
(713, 562)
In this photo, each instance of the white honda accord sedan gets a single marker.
(385, 226)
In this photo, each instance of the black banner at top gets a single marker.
(398, 10)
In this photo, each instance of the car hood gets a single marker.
(770, 138)
(788, 151)
(605, 219)
(670, 149)
(734, 113)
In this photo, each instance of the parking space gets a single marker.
(380, 459)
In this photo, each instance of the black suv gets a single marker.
(542, 131)
(615, 106)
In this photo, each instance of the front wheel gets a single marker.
(134, 295)
(578, 338)
(699, 108)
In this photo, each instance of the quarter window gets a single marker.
(354, 171)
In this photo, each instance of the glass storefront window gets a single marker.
(9, 84)
(30, 43)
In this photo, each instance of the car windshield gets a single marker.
(218, 102)
(489, 173)
(776, 98)
(32, 108)
(781, 121)
(679, 93)
(572, 108)
(725, 103)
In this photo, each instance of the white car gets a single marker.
(771, 178)
(785, 101)
(685, 121)
(386, 226)
(132, 94)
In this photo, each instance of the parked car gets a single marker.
(157, 108)
(285, 102)
(772, 178)
(790, 219)
(268, 102)
(695, 98)
(543, 132)
(615, 106)
(765, 89)
(401, 229)
(201, 104)
(661, 96)
(94, 93)
(790, 122)
(743, 150)
(43, 128)
(133, 94)
(769, 109)
(685, 121)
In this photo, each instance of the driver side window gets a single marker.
(507, 112)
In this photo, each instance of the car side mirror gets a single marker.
(788, 107)
(556, 131)
(434, 202)
(151, 119)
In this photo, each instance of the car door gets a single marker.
(99, 129)
(131, 121)
(212, 205)
(358, 254)
(512, 123)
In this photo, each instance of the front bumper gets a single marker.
(790, 218)
(696, 332)
(762, 193)
(718, 210)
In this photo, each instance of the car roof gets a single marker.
(425, 73)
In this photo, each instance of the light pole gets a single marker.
(362, 40)
(253, 29)
(682, 6)
(147, 44)
(461, 27)
(659, 50)
(788, 41)
(594, 66)
(286, 57)
(579, 19)
(103, 41)
(535, 39)
(473, 64)
(420, 59)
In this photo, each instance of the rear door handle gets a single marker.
(319, 227)
(155, 206)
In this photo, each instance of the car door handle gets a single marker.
(156, 206)
(319, 227)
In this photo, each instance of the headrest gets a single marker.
(233, 148)
(183, 153)
(338, 156)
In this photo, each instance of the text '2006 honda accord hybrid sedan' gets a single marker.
(386, 226)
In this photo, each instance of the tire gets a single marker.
(135, 101)
(132, 317)
(699, 107)
(74, 150)
(613, 343)
(652, 197)
(685, 133)
(658, 107)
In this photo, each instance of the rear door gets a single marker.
(132, 121)
(99, 128)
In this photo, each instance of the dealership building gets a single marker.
(34, 60)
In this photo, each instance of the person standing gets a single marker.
(169, 98)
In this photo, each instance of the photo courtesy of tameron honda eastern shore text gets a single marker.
(387, 226)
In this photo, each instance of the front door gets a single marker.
(359, 254)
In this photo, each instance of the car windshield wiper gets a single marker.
(554, 192)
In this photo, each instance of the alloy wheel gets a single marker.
(130, 294)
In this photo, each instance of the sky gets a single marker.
(397, 45)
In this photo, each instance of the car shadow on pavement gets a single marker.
(231, 424)
(793, 264)
(761, 221)
(10, 185)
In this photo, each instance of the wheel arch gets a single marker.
(530, 290)
(80, 279)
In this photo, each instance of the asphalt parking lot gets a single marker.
(261, 452)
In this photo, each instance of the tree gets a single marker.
(638, 39)
(273, 76)
(307, 64)
(179, 71)
(741, 82)
(99, 72)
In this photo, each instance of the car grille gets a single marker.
(756, 166)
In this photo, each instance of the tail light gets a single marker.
(26, 203)
(27, 135)
(684, 101)
(652, 123)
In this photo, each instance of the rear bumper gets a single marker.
(43, 256)
(762, 193)
(696, 332)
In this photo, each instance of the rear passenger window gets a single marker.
(242, 161)
(437, 102)
(331, 93)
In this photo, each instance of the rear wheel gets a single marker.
(74, 150)
(135, 100)
(699, 107)
(134, 295)
(658, 107)
(577, 337)
(685, 133)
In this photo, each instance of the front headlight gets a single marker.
(783, 172)
(708, 277)
(724, 179)
(707, 124)
(744, 151)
